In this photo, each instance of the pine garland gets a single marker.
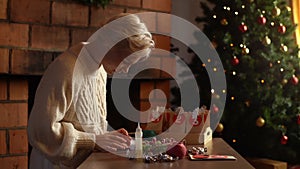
(102, 3)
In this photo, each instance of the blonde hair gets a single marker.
(142, 38)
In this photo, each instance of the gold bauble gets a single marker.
(219, 128)
(285, 81)
(247, 103)
(266, 41)
(276, 11)
(224, 22)
(260, 122)
(283, 48)
(245, 50)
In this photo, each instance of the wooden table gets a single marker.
(100, 160)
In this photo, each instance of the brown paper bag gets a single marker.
(156, 118)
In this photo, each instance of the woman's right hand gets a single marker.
(113, 141)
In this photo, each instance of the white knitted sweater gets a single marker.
(69, 110)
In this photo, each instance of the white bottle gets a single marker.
(139, 142)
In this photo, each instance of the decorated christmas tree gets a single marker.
(256, 43)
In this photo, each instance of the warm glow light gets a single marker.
(262, 81)
(234, 140)
(232, 98)
(224, 91)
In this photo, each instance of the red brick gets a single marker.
(4, 60)
(162, 42)
(18, 141)
(159, 5)
(50, 38)
(3, 9)
(3, 142)
(147, 66)
(72, 14)
(132, 3)
(150, 20)
(12, 34)
(30, 62)
(3, 89)
(30, 11)
(14, 162)
(81, 35)
(169, 67)
(144, 105)
(13, 114)
(164, 23)
(165, 87)
(99, 16)
(135, 10)
(145, 89)
(18, 90)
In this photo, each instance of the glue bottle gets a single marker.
(138, 142)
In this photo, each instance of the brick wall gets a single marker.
(32, 34)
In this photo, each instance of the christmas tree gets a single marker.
(256, 43)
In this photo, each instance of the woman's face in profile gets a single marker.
(115, 59)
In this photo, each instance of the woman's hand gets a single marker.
(112, 141)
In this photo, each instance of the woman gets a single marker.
(68, 118)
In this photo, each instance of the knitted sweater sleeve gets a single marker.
(53, 137)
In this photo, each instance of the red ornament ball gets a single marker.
(281, 29)
(179, 150)
(262, 20)
(235, 61)
(243, 28)
(284, 140)
(294, 80)
(215, 109)
(298, 119)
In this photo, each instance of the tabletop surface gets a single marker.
(100, 160)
